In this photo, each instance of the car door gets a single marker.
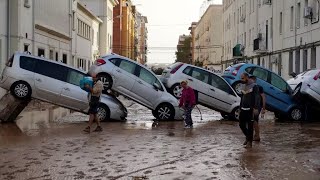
(144, 90)
(221, 94)
(280, 93)
(315, 86)
(124, 77)
(27, 64)
(72, 95)
(49, 80)
(199, 80)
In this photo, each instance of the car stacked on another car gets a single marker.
(138, 83)
(279, 97)
(306, 83)
(211, 89)
(27, 76)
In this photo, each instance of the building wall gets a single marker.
(293, 33)
(208, 40)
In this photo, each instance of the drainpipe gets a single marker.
(8, 30)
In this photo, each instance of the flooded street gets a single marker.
(50, 144)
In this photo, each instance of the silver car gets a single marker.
(138, 83)
(27, 76)
(306, 83)
(211, 89)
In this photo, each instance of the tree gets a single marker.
(183, 52)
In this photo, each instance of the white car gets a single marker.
(212, 90)
(27, 76)
(306, 83)
(138, 83)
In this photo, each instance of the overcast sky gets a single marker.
(167, 20)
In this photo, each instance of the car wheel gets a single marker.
(21, 90)
(164, 111)
(176, 91)
(103, 112)
(237, 86)
(296, 114)
(224, 115)
(107, 82)
(235, 115)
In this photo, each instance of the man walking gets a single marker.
(94, 100)
(250, 102)
(187, 101)
(262, 110)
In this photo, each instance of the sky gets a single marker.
(167, 19)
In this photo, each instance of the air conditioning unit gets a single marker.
(308, 12)
(267, 2)
(242, 18)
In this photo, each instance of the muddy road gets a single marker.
(44, 145)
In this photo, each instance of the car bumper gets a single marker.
(6, 82)
(118, 114)
(179, 113)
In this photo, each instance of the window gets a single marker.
(271, 28)
(147, 76)
(306, 4)
(278, 82)
(313, 57)
(51, 54)
(201, 75)
(260, 73)
(26, 48)
(64, 58)
(74, 77)
(187, 70)
(51, 70)
(219, 83)
(297, 62)
(73, 20)
(41, 52)
(26, 4)
(57, 56)
(84, 30)
(127, 66)
(114, 61)
(27, 63)
(298, 15)
(305, 59)
(290, 62)
(291, 18)
(280, 24)
(249, 69)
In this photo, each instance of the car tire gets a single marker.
(236, 86)
(296, 114)
(224, 115)
(106, 79)
(103, 112)
(235, 114)
(165, 111)
(21, 90)
(176, 91)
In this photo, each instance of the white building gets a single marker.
(208, 45)
(104, 10)
(280, 35)
(86, 37)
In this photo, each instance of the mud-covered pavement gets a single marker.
(41, 145)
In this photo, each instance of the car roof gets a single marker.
(201, 69)
(48, 60)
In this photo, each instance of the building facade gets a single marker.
(103, 9)
(193, 40)
(282, 36)
(141, 38)
(208, 44)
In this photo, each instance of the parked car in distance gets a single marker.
(138, 83)
(306, 83)
(27, 76)
(278, 93)
(211, 89)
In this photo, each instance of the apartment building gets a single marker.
(208, 45)
(141, 36)
(193, 40)
(85, 37)
(103, 9)
(281, 35)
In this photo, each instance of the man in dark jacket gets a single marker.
(250, 103)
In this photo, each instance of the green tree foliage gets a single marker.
(184, 52)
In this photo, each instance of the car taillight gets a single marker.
(100, 62)
(235, 72)
(174, 70)
(316, 77)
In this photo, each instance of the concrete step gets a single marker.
(11, 107)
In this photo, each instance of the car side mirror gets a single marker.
(156, 86)
(293, 74)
